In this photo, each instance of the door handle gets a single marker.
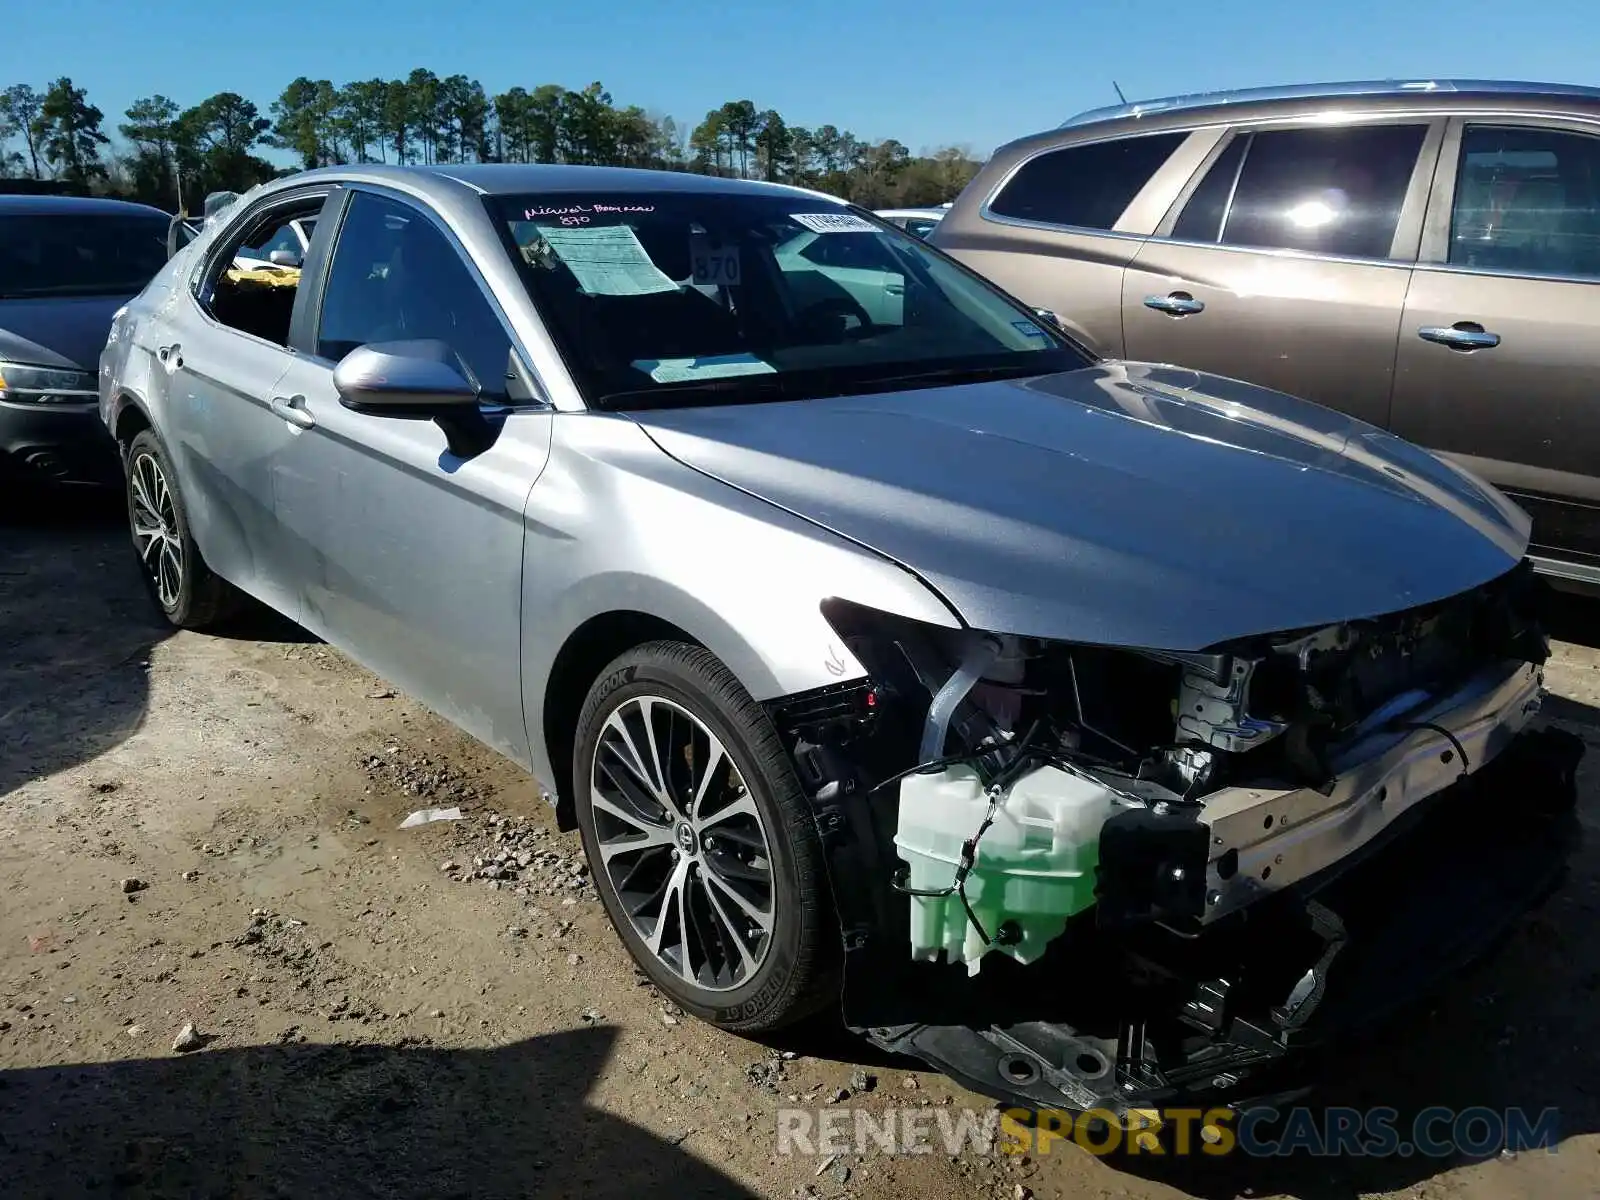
(169, 356)
(1463, 335)
(293, 410)
(1175, 304)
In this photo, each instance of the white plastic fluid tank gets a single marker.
(1034, 868)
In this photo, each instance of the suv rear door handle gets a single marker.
(1463, 335)
(1175, 304)
(293, 410)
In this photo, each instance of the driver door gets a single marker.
(405, 555)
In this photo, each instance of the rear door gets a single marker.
(1500, 342)
(1286, 262)
(1063, 222)
(223, 348)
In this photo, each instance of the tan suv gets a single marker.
(1425, 256)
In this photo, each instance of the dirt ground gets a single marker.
(204, 830)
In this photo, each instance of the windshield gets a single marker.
(79, 254)
(693, 298)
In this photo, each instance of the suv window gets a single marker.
(396, 277)
(1201, 219)
(1527, 201)
(1087, 186)
(1328, 191)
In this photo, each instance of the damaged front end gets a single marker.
(1116, 878)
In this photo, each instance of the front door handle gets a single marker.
(1175, 304)
(1463, 335)
(293, 410)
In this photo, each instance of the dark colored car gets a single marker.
(1423, 255)
(67, 263)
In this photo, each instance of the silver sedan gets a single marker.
(868, 627)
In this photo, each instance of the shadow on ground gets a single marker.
(76, 629)
(338, 1121)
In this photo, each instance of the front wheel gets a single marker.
(702, 846)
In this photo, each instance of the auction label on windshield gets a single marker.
(714, 261)
(841, 222)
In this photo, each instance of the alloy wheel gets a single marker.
(154, 521)
(682, 843)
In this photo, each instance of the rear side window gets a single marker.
(1527, 202)
(1201, 219)
(1328, 191)
(1086, 186)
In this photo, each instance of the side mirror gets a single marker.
(180, 232)
(418, 380)
(284, 258)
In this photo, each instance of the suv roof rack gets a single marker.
(1315, 91)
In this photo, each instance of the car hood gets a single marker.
(1122, 504)
(64, 331)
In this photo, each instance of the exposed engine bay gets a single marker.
(987, 798)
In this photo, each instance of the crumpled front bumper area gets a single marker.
(1144, 1018)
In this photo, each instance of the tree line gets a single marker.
(173, 156)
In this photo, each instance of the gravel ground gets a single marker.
(226, 971)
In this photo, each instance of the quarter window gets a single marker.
(1328, 191)
(1201, 219)
(396, 277)
(1527, 202)
(1085, 186)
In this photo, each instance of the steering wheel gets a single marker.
(830, 317)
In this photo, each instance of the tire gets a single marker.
(785, 971)
(158, 522)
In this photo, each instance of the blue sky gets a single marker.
(929, 72)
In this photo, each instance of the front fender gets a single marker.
(616, 526)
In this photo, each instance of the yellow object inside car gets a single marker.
(287, 277)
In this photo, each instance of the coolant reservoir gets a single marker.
(1034, 868)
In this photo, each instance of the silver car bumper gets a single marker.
(1264, 840)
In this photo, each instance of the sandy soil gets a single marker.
(204, 830)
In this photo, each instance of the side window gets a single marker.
(1527, 201)
(283, 237)
(1327, 190)
(247, 295)
(395, 277)
(1202, 217)
(1086, 186)
(852, 252)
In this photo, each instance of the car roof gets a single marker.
(1374, 89)
(935, 213)
(34, 206)
(508, 179)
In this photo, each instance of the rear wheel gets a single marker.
(187, 591)
(702, 847)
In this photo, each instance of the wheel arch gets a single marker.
(129, 419)
(585, 653)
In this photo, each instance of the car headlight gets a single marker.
(23, 384)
